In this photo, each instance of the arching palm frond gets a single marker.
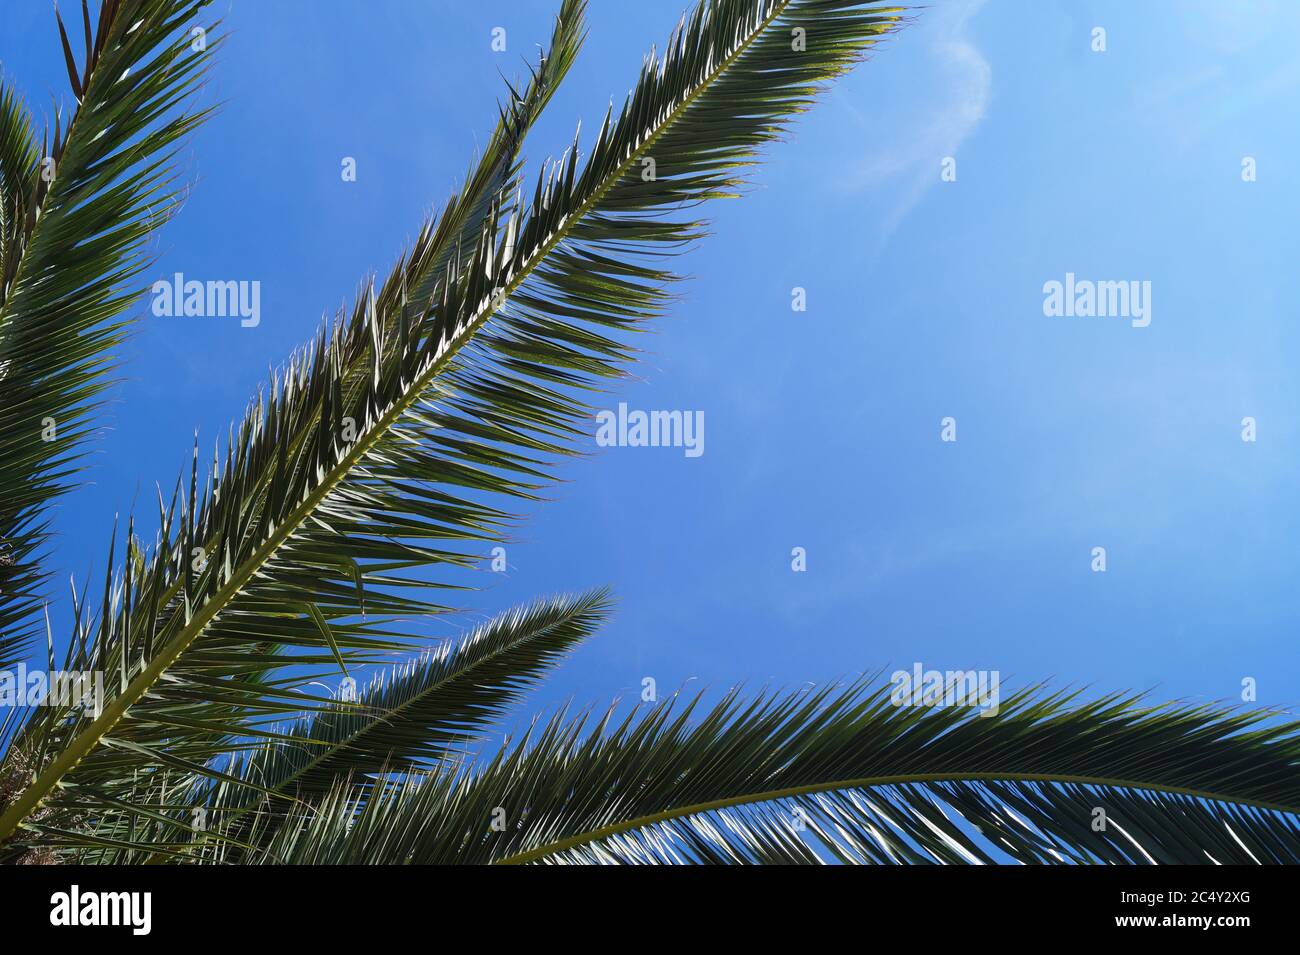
(844, 775)
(433, 704)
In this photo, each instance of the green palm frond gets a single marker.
(845, 775)
(19, 172)
(381, 446)
(19, 161)
(75, 213)
(432, 704)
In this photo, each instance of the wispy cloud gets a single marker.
(964, 86)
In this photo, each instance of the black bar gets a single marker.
(343, 905)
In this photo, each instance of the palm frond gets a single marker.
(846, 775)
(19, 162)
(76, 213)
(341, 482)
(426, 708)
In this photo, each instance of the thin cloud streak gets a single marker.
(915, 157)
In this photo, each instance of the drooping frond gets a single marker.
(846, 775)
(424, 709)
(75, 213)
(342, 481)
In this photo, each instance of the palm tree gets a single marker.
(393, 445)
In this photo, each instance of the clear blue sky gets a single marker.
(822, 427)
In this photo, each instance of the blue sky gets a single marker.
(925, 300)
